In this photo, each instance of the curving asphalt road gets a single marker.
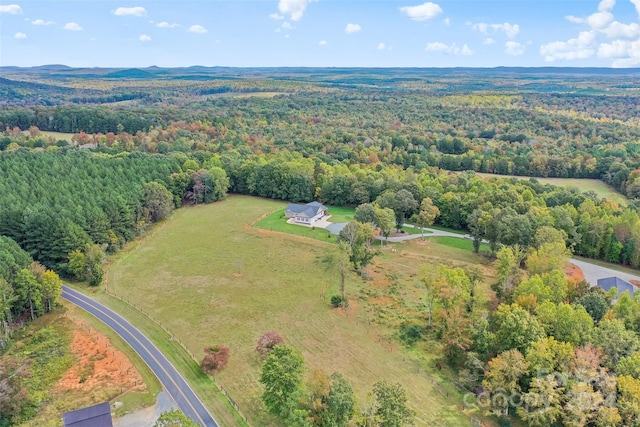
(171, 380)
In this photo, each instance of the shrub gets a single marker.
(336, 300)
(266, 343)
(410, 333)
(215, 358)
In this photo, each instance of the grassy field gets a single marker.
(454, 242)
(58, 135)
(276, 221)
(211, 278)
(595, 185)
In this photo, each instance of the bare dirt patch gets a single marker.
(384, 300)
(98, 365)
(574, 273)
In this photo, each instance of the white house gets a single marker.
(306, 214)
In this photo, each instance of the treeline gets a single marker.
(25, 287)
(75, 119)
(101, 198)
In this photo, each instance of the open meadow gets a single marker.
(211, 278)
(583, 184)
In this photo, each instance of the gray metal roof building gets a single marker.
(92, 416)
(616, 282)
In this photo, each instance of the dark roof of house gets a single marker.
(616, 282)
(92, 416)
(309, 210)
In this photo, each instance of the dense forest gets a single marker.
(141, 148)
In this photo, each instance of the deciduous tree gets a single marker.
(174, 418)
(391, 405)
(282, 379)
(426, 215)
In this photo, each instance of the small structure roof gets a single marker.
(92, 416)
(615, 282)
(309, 210)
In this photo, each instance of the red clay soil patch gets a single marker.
(635, 282)
(377, 276)
(382, 300)
(574, 273)
(98, 365)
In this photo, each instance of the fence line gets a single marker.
(184, 347)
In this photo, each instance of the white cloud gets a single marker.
(41, 22)
(382, 46)
(510, 30)
(615, 49)
(165, 24)
(466, 51)
(447, 21)
(423, 12)
(294, 8)
(72, 26)
(488, 41)
(130, 11)
(144, 38)
(617, 29)
(599, 20)
(11, 9)
(276, 16)
(480, 26)
(574, 19)
(513, 48)
(452, 49)
(352, 28)
(20, 36)
(580, 47)
(633, 60)
(322, 43)
(600, 23)
(198, 29)
(287, 26)
(606, 5)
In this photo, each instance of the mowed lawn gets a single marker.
(211, 278)
(583, 184)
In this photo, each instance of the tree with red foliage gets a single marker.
(266, 343)
(215, 358)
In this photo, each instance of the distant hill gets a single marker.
(132, 73)
(58, 70)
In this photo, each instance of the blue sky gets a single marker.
(352, 33)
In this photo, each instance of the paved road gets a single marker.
(592, 272)
(171, 380)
